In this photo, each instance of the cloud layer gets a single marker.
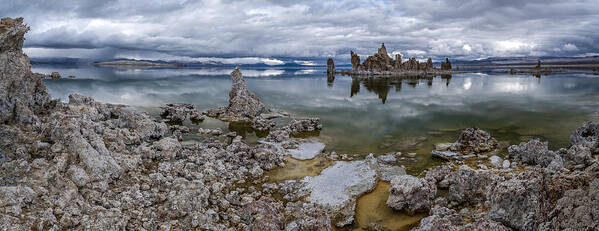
(191, 29)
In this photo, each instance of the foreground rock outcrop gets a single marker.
(552, 190)
(22, 93)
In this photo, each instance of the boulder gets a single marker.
(471, 141)
(535, 152)
(265, 214)
(587, 136)
(411, 194)
(298, 126)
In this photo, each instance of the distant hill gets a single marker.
(530, 60)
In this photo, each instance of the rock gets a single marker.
(411, 194)
(446, 65)
(587, 136)
(388, 172)
(471, 141)
(389, 158)
(330, 66)
(243, 105)
(22, 93)
(55, 76)
(576, 210)
(307, 217)
(443, 218)
(261, 124)
(474, 140)
(305, 125)
(506, 164)
(307, 150)
(469, 186)
(496, 161)
(524, 201)
(265, 214)
(535, 152)
(355, 61)
(338, 187)
(179, 112)
(378, 62)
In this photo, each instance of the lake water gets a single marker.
(364, 116)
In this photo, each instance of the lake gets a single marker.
(363, 116)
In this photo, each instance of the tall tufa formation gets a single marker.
(355, 61)
(243, 105)
(330, 66)
(22, 93)
(381, 62)
(446, 65)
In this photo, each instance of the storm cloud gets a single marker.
(262, 29)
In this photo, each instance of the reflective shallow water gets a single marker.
(363, 116)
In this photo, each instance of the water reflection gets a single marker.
(382, 86)
(378, 115)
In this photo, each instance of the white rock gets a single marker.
(307, 151)
(495, 160)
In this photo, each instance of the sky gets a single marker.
(264, 31)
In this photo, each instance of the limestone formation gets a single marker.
(355, 61)
(381, 64)
(411, 194)
(330, 66)
(471, 141)
(243, 105)
(22, 93)
(179, 112)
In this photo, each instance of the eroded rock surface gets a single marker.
(338, 186)
(243, 105)
(22, 93)
(471, 141)
(411, 194)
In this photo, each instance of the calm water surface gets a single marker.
(364, 116)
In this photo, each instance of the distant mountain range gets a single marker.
(319, 62)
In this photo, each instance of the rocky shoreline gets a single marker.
(86, 165)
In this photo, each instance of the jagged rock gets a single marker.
(355, 61)
(524, 201)
(243, 105)
(471, 141)
(470, 186)
(446, 65)
(307, 217)
(330, 66)
(535, 152)
(577, 210)
(378, 62)
(55, 76)
(22, 93)
(305, 125)
(261, 124)
(178, 112)
(411, 194)
(443, 218)
(429, 64)
(587, 135)
(265, 214)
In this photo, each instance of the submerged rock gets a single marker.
(307, 150)
(411, 194)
